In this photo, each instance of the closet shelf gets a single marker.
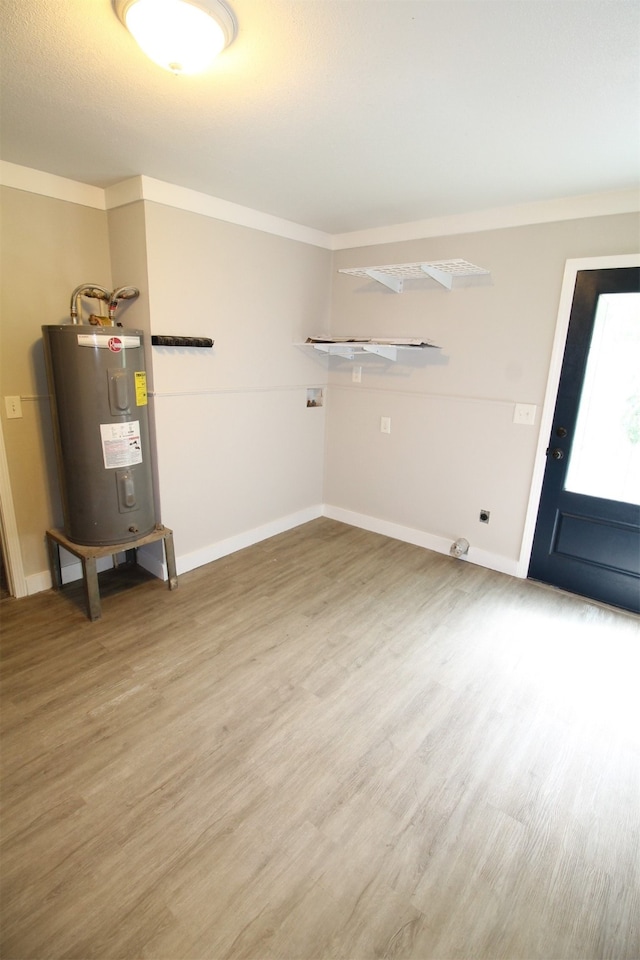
(446, 272)
(348, 348)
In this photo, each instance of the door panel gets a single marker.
(587, 536)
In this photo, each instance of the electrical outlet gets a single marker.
(13, 406)
(356, 375)
(525, 413)
(385, 424)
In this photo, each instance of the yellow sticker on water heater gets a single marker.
(141, 388)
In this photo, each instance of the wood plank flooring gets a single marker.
(329, 745)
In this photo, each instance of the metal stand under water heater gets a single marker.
(98, 388)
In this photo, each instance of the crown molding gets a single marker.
(120, 194)
(182, 198)
(158, 191)
(50, 185)
(498, 218)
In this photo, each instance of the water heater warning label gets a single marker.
(141, 388)
(121, 446)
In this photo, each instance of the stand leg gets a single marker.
(91, 590)
(54, 558)
(171, 561)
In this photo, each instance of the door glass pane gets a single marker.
(605, 455)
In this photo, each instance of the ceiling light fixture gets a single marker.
(183, 36)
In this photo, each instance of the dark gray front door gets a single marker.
(587, 537)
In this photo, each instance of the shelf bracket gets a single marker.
(446, 279)
(393, 283)
(382, 349)
(336, 350)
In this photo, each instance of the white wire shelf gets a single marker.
(445, 272)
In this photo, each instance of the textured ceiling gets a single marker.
(338, 114)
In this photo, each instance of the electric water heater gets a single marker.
(98, 390)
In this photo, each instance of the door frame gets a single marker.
(11, 551)
(571, 270)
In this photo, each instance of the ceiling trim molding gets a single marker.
(525, 214)
(158, 191)
(182, 198)
(195, 202)
(120, 194)
(50, 185)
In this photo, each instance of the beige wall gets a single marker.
(238, 454)
(128, 252)
(453, 449)
(48, 247)
(237, 448)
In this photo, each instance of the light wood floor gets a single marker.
(329, 745)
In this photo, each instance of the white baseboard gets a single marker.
(223, 548)
(419, 538)
(73, 571)
(153, 559)
(37, 582)
(70, 572)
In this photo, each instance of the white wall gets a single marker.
(239, 454)
(48, 247)
(453, 448)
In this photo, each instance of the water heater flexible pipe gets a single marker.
(87, 290)
(96, 292)
(122, 293)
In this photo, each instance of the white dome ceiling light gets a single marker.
(183, 36)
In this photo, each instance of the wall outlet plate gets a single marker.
(525, 413)
(13, 407)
